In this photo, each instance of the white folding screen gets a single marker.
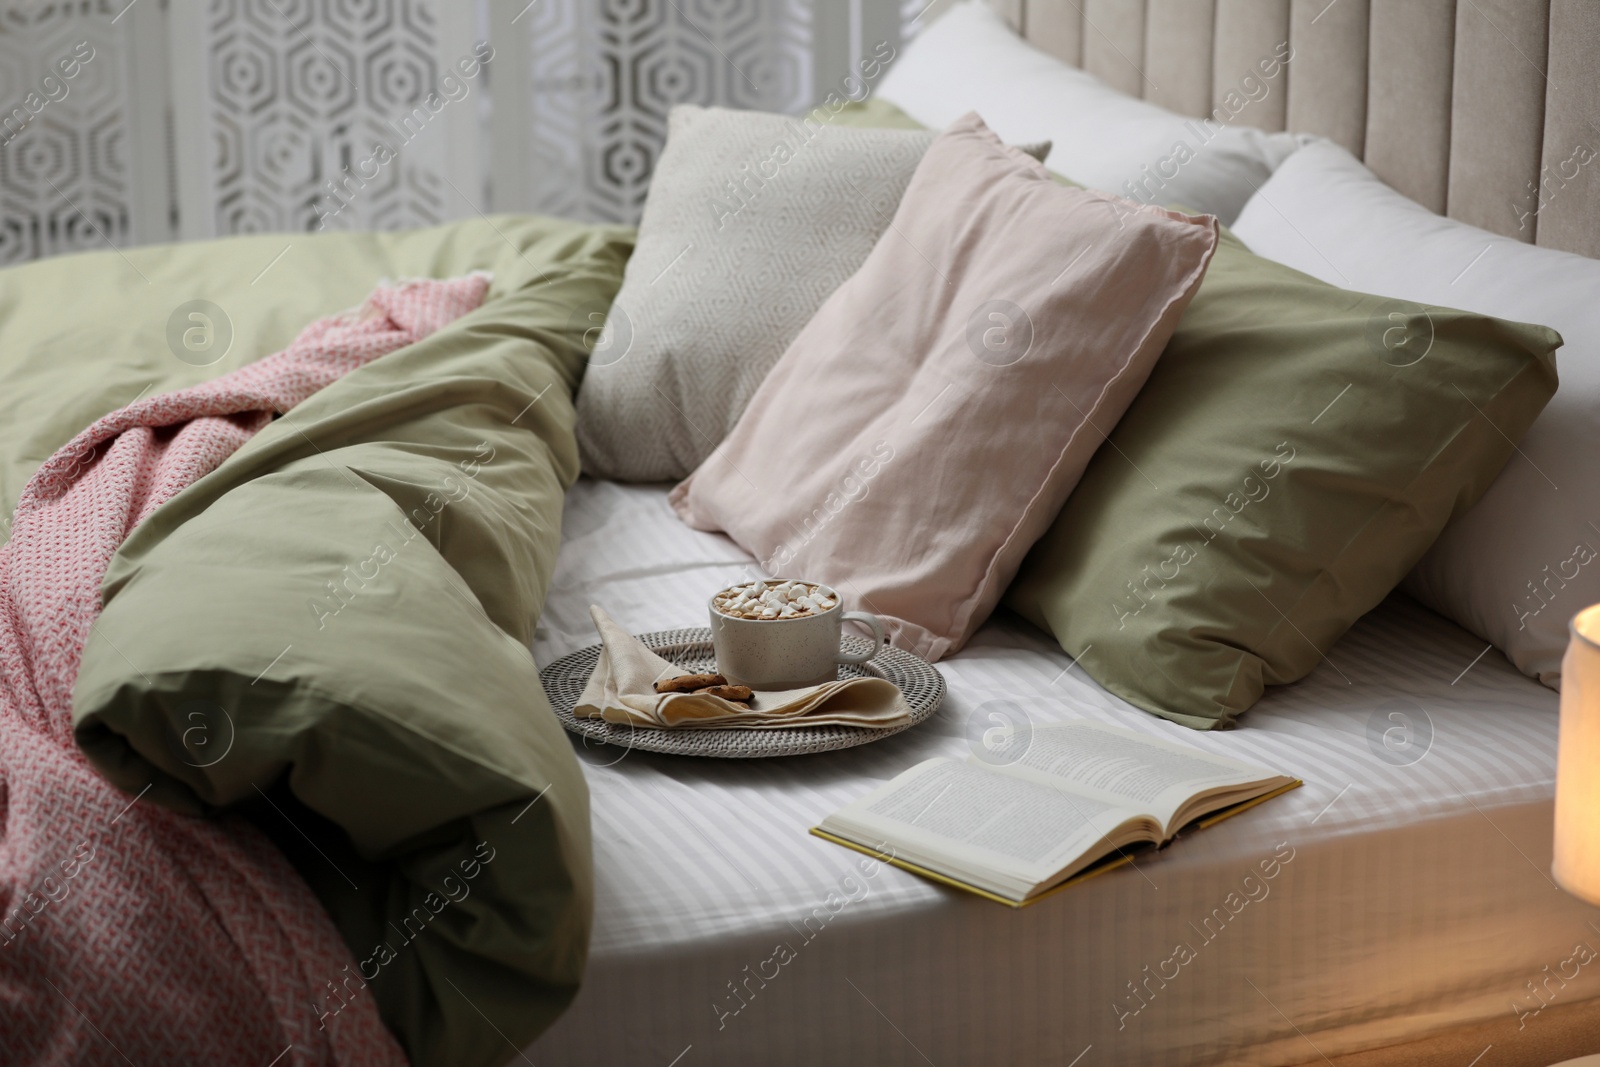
(297, 115)
(83, 153)
(126, 123)
(593, 82)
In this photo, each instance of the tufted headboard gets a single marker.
(1485, 110)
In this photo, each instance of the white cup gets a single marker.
(794, 653)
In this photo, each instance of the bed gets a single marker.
(1411, 918)
(1419, 919)
(1418, 896)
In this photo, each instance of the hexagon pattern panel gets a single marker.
(330, 114)
(127, 122)
(65, 182)
(604, 74)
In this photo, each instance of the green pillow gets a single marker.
(1295, 451)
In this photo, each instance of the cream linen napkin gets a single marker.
(621, 690)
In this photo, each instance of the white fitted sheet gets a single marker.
(1417, 897)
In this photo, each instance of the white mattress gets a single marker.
(1417, 897)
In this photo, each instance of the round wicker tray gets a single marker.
(920, 684)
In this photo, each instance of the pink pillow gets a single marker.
(926, 426)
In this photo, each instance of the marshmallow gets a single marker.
(765, 599)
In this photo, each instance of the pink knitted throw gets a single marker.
(130, 933)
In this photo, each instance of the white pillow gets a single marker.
(970, 60)
(1526, 558)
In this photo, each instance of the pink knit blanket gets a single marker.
(130, 933)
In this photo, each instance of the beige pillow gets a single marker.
(753, 219)
(925, 427)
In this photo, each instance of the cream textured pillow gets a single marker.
(925, 427)
(753, 219)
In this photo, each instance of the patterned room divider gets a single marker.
(124, 123)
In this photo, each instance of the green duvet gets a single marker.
(330, 632)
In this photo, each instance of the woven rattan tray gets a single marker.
(920, 684)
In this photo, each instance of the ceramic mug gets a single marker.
(773, 654)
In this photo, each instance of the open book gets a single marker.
(1080, 793)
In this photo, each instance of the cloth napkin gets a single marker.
(622, 690)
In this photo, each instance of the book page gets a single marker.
(976, 818)
(1119, 766)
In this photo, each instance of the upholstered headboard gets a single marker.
(1485, 110)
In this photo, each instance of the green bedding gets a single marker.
(83, 335)
(330, 632)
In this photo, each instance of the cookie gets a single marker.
(688, 683)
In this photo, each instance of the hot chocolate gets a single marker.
(774, 600)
